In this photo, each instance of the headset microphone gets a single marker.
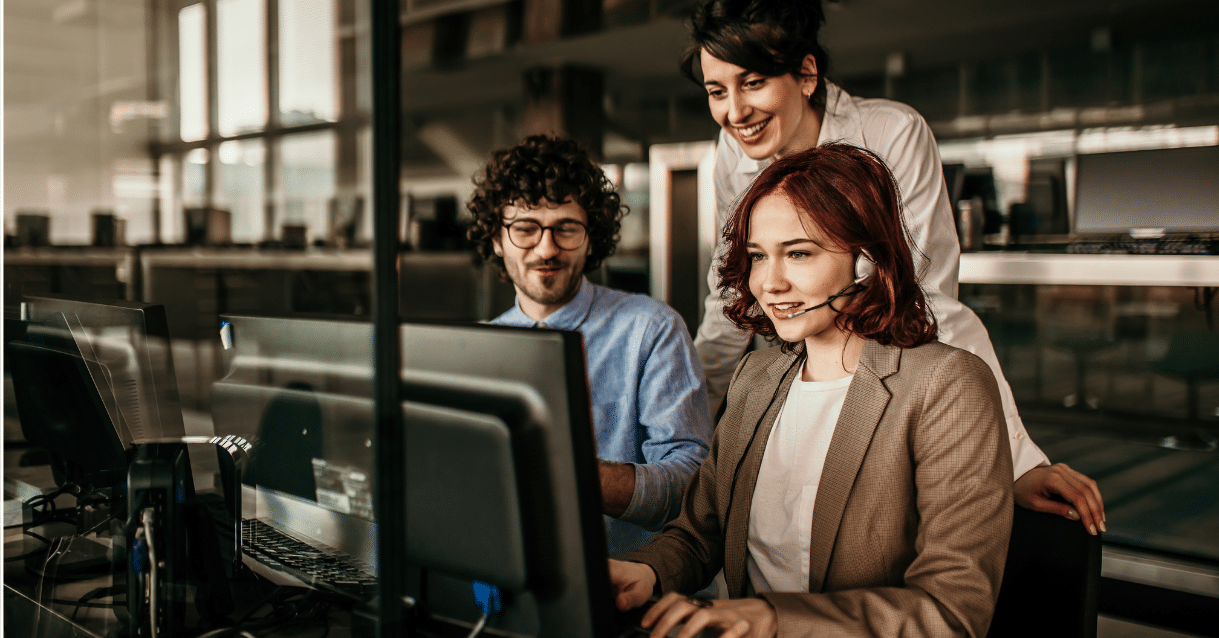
(864, 268)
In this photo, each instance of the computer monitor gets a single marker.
(1170, 190)
(125, 347)
(91, 379)
(60, 408)
(518, 399)
(501, 474)
(300, 390)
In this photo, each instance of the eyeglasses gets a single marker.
(527, 233)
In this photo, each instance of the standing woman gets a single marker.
(764, 72)
(859, 482)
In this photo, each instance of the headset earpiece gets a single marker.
(864, 267)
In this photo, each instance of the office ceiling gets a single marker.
(859, 34)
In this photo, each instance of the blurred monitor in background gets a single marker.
(1165, 190)
(33, 229)
(346, 216)
(208, 227)
(108, 230)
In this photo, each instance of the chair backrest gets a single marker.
(1051, 584)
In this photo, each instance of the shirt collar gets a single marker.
(570, 317)
(842, 122)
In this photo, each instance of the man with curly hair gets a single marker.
(545, 214)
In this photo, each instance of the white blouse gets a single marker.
(781, 516)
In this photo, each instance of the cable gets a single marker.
(141, 574)
(478, 628)
(47, 502)
(152, 571)
(103, 522)
(29, 554)
(290, 607)
(100, 592)
(38, 536)
(35, 552)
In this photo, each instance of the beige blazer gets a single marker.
(914, 508)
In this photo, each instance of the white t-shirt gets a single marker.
(781, 516)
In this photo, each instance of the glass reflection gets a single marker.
(1122, 384)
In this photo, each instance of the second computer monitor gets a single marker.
(501, 475)
(499, 418)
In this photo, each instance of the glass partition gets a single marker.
(1122, 384)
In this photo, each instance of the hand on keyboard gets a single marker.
(740, 618)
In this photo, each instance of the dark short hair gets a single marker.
(849, 195)
(770, 37)
(553, 169)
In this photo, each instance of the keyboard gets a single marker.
(310, 562)
(1132, 246)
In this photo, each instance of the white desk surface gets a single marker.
(1089, 270)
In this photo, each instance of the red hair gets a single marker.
(848, 193)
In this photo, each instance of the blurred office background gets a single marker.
(215, 157)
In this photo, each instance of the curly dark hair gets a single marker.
(548, 168)
(770, 37)
(849, 194)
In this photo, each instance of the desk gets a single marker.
(42, 608)
(1089, 270)
(106, 272)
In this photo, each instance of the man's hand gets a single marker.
(617, 487)
(740, 618)
(1036, 488)
(632, 582)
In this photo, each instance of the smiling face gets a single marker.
(790, 271)
(768, 115)
(546, 276)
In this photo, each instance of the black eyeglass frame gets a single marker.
(542, 232)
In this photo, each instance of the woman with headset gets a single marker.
(764, 72)
(859, 482)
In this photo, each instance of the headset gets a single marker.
(865, 267)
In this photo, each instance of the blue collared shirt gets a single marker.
(648, 395)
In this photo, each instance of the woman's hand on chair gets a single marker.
(740, 618)
(1037, 489)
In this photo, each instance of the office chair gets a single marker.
(1051, 584)
(1192, 357)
